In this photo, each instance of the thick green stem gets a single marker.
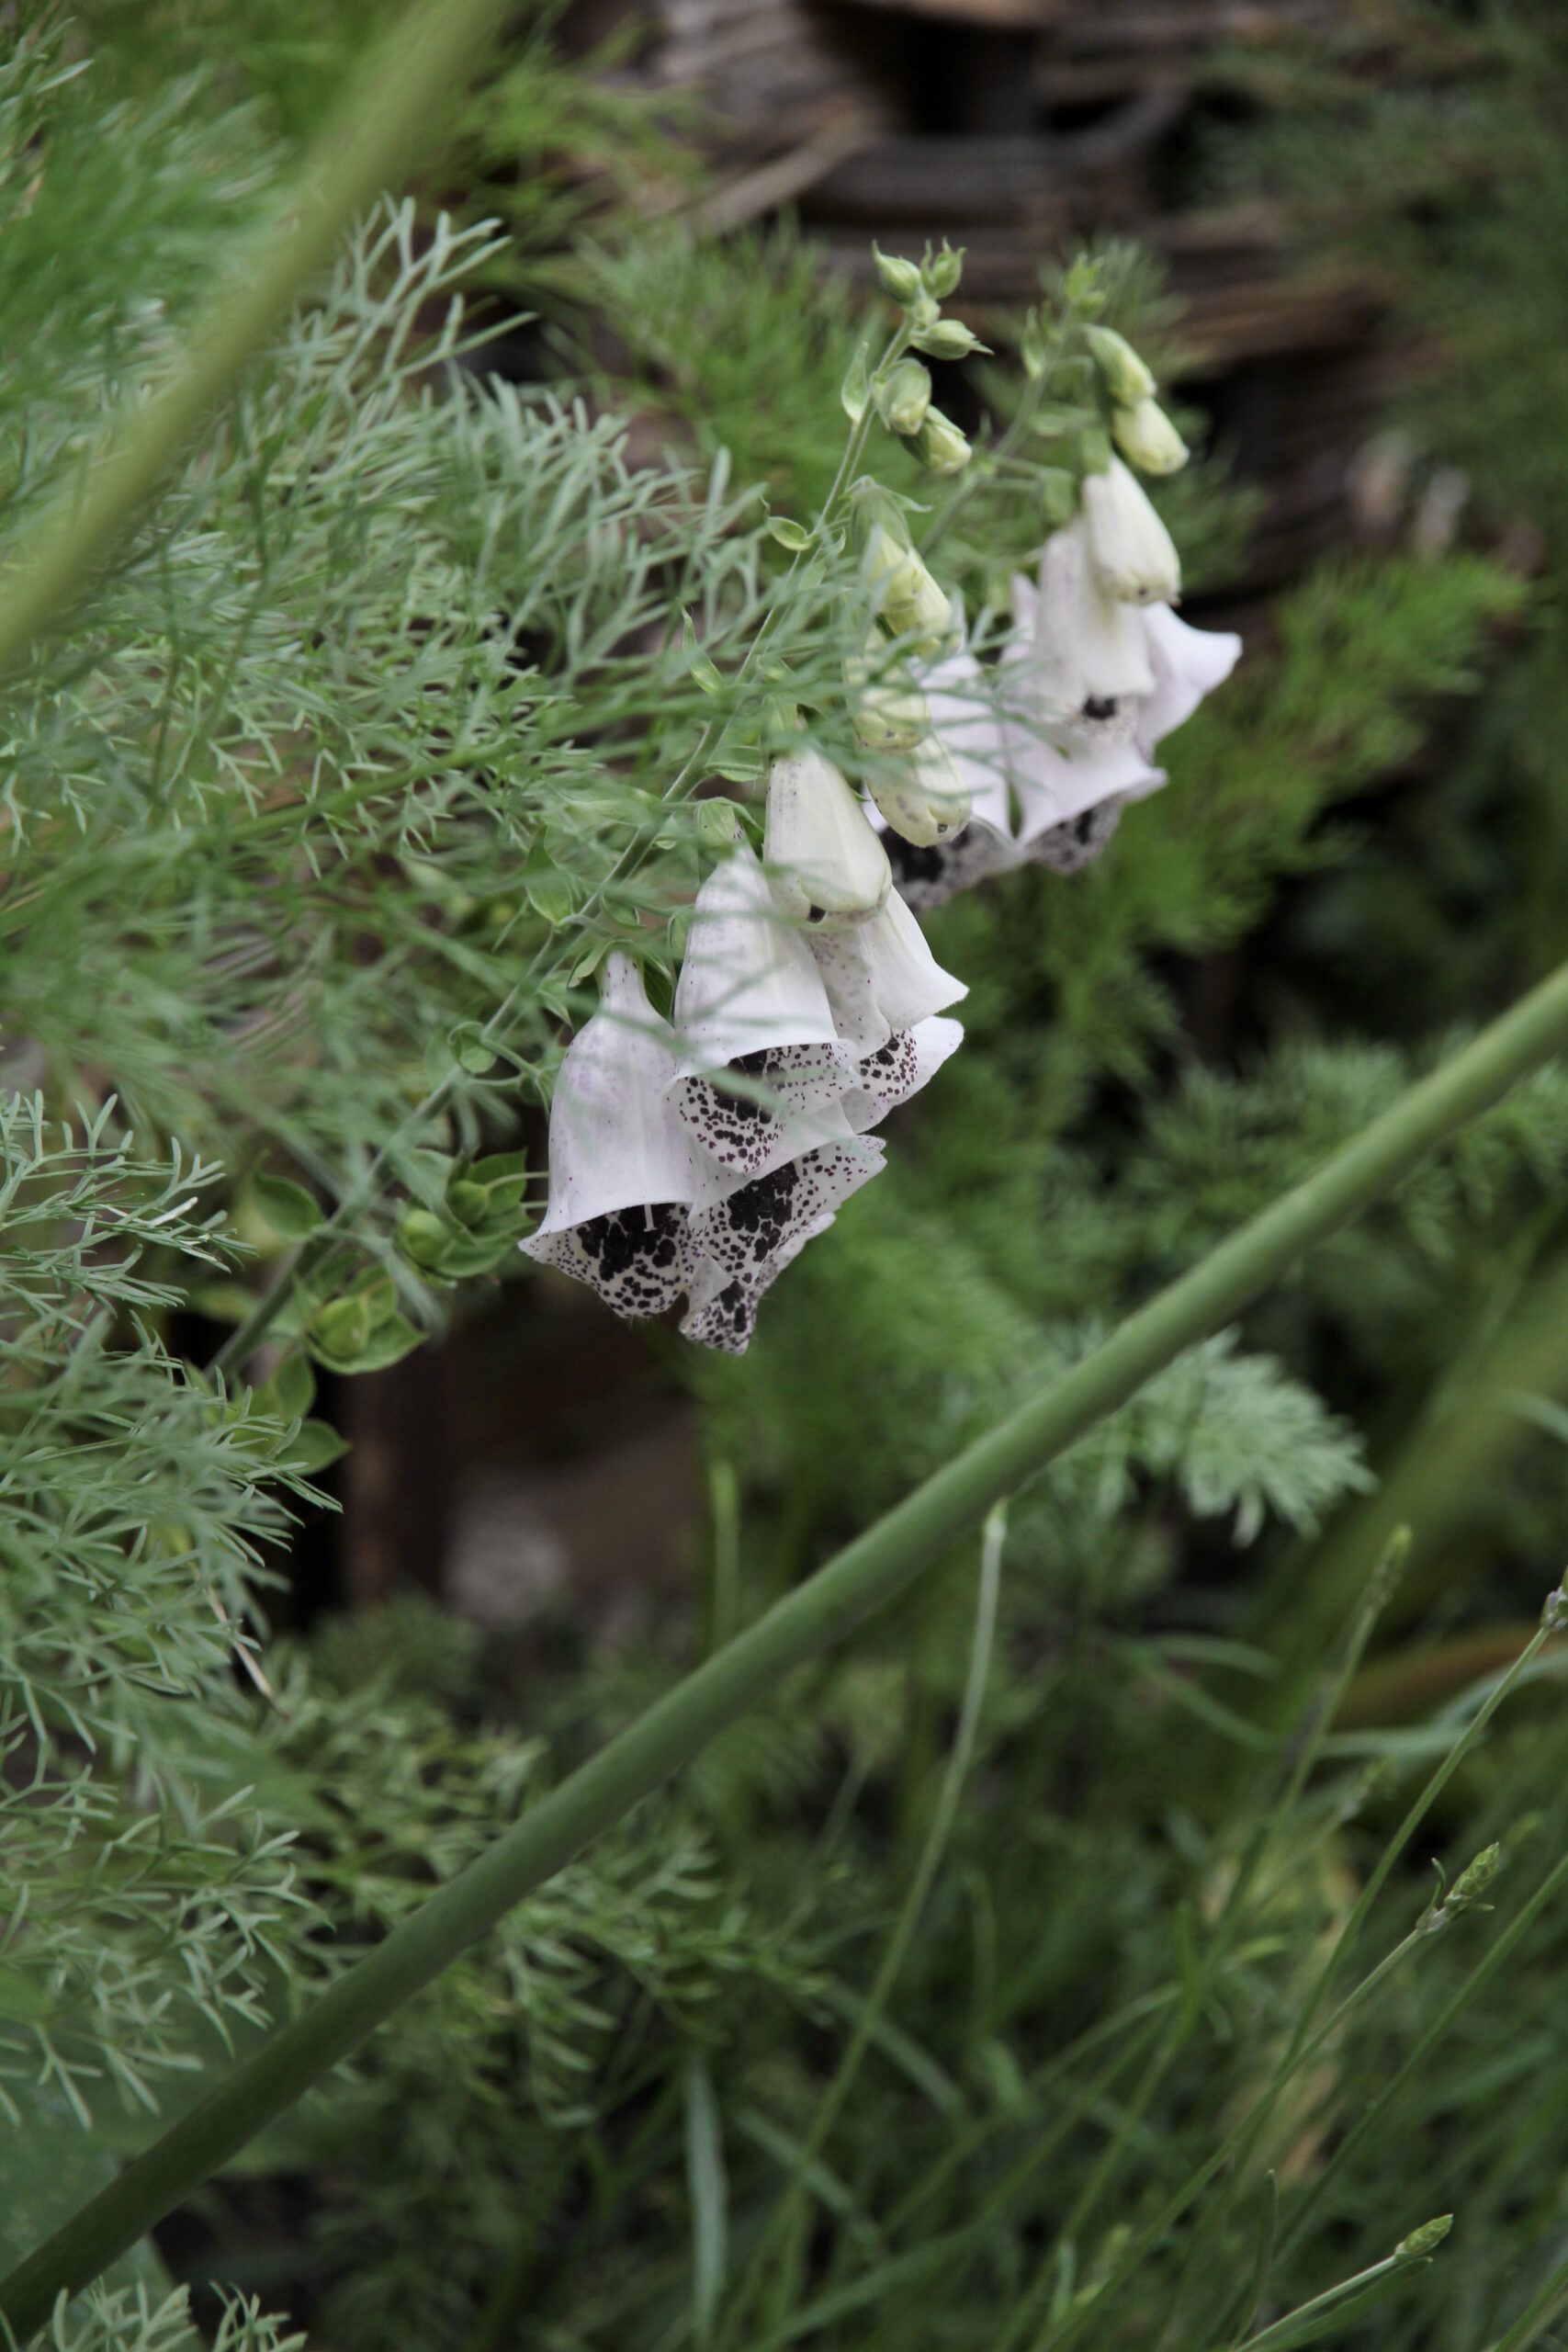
(880, 1564)
(386, 117)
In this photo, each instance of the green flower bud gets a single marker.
(887, 716)
(1127, 379)
(1423, 2241)
(943, 274)
(908, 599)
(899, 278)
(940, 446)
(344, 1328)
(946, 339)
(906, 397)
(1147, 439)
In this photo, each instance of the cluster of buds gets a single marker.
(902, 391)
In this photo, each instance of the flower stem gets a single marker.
(868, 1573)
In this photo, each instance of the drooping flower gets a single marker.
(1132, 554)
(620, 1175)
(827, 864)
(882, 979)
(1058, 737)
(904, 595)
(749, 1004)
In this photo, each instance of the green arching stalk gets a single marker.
(383, 118)
(868, 1573)
(782, 2225)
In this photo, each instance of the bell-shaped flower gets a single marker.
(826, 862)
(749, 1004)
(621, 1174)
(1147, 439)
(924, 799)
(883, 978)
(1089, 663)
(1133, 555)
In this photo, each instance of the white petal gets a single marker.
(746, 1232)
(1132, 554)
(967, 721)
(900, 1068)
(1090, 659)
(1054, 785)
(638, 1260)
(748, 984)
(734, 1141)
(826, 862)
(1188, 664)
(904, 980)
(723, 1312)
(614, 1140)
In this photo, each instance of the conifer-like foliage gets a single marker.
(1055, 1960)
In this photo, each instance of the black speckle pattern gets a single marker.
(885, 1078)
(1099, 707)
(929, 877)
(726, 1322)
(745, 1232)
(742, 1133)
(638, 1260)
(1068, 847)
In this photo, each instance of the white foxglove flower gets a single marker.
(751, 1003)
(1051, 763)
(1147, 439)
(827, 863)
(621, 1174)
(1132, 554)
(883, 978)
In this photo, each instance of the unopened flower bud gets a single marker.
(888, 714)
(1149, 440)
(1127, 379)
(940, 446)
(1423, 2241)
(942, 273)
(927, 802)
(826, 864)
(899, 278)
(907, 396)
(1132, 554)
(946, 339)
(1473, 1880)
(906, 597)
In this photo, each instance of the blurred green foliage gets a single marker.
(580, 2137)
